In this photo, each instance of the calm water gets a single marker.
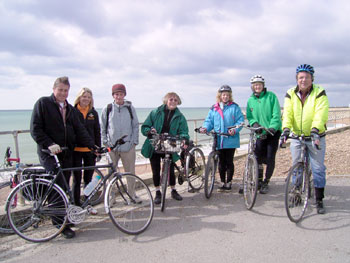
(20, 120)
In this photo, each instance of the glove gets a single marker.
(54, 148)
(232, 131)
(257, 125)
(203, 130)
(284, 136)
(315, 137)
(273, 131)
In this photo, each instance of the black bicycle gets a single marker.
(127, 199)
(166, 144)
(251, 172)
(299, 183)
(191, 168)
(212, 163)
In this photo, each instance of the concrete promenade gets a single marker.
(201, 230)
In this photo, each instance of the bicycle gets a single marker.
(299, 183)
(251, 172)
(192, 167)
(127, 200)
(212, 163)
(166, 144)
(11, 176)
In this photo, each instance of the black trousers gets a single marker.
(155, 165)
(48, 162)
(82, 159)
(265, 152)
(226, 166)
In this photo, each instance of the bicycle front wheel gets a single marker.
(210, 171)
(297, 192)
(129, 203)
(5, 189)
(43, 216)
(195, 168)
(250, 181)
(164, 182)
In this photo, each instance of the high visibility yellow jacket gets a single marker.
(299, 118)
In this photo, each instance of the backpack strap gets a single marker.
(109, 109)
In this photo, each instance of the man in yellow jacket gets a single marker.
(306, 112)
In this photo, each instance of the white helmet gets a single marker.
(257, 78)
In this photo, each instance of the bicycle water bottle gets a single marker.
(91, 186)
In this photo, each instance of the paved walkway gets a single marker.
(201, 230)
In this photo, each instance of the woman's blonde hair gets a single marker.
(171, 94)
(218, 96)
(81, 93)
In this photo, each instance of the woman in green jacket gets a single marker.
(263, 109)
(167, 118)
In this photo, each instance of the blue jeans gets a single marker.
(316, 158)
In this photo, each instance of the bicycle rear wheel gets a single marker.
(129, 203)
(99, 195)
(250, 181)
(44, 215)
(297, 192)
(195, 168)
(164, 182)
(210, 171)
(5, 189)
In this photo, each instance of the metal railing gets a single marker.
(336, 118)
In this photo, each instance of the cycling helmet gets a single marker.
(306, 68)
(257, 78)
(225, 88)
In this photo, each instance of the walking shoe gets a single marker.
(157, 199)
(175, 195)
(264, 188)
(228, 187)
(320, 208)
(222, 187)
(68, 232)
(93, 211)
(240, 191)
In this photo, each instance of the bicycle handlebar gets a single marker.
(213, 132)
(251, 128)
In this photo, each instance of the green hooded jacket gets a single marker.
(299, 118)
(264, 110)
(178, 126)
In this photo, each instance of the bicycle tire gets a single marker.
(195, 168)
(164, 183)
(250, 181)
(97, 198)
(210, 171)
(43, 222)
(5, 227)
(131, 215)
(296, 192)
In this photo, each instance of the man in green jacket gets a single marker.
(306, 112)
(263, 109)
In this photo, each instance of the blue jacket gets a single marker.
(218, 120)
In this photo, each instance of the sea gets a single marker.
(12, 120)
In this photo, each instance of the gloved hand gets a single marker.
(257, 125)
(54, 148)
(273, 131)
(203, 130)
(315, 137)
(284, 136)
(232, 131)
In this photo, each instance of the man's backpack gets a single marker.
(109, 109)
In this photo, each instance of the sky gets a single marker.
(154, 47)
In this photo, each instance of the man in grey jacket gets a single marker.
(119, 118)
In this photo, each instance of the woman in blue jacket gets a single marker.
(223, 114)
